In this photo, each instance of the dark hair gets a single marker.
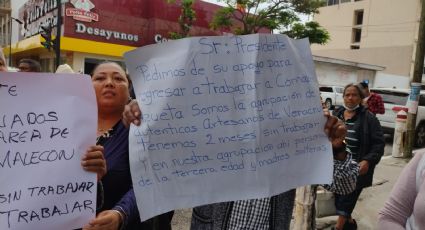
(364, 84)
(107, 62)
(33, 64)
(355, 86)
(130, 83)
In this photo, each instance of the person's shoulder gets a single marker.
(371, 117)
(419, 155)
(376, 95)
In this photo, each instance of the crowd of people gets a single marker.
(353, 129)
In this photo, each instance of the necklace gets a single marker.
(100, 130)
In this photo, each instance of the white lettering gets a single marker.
(159, 39)
(90, 30)
(81, 28)
(107, 34)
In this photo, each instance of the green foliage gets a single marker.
(186, 18)
(250, 16)
(312, 30)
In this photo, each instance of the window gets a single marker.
(344, 1)
(332, 2)
(357, 35)
(325, 89)
(422, 100)
(358, 17)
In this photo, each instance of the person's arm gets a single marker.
(399, 205)
(380, 108)
(376, 140)
(128, 207)
(124, 212)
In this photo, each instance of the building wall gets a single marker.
(396, 60)
(107, 30)
(388, 34)
(385, 23)
(341, 75)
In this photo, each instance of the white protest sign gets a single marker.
(225, 118)
(47, 121)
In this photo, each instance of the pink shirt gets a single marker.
(405, 200)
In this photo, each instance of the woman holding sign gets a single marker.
(365, 141)
(119, 209)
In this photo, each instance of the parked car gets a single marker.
(332, 95)
(397, 98)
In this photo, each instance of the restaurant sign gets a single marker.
(81, 11)
(37, 13)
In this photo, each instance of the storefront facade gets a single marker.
(98, 30)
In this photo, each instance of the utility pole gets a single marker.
(10, 40)
(305, 218)
(417, 79)
(57, 44)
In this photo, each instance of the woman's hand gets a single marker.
(106, 220)
(94, 161)
(335, 129)
(132, 114)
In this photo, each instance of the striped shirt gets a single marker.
(353, 135)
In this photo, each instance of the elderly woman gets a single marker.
(3, 67)
(119, 209)
(365, 142)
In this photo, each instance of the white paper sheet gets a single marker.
(225, 118)
(47, 122)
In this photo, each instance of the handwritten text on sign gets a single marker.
(42, 138)
(225, 118)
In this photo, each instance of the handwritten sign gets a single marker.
(225, 118)
(46, 123)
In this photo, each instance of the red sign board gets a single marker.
(132, 22)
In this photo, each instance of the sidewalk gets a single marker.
(372, 199)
